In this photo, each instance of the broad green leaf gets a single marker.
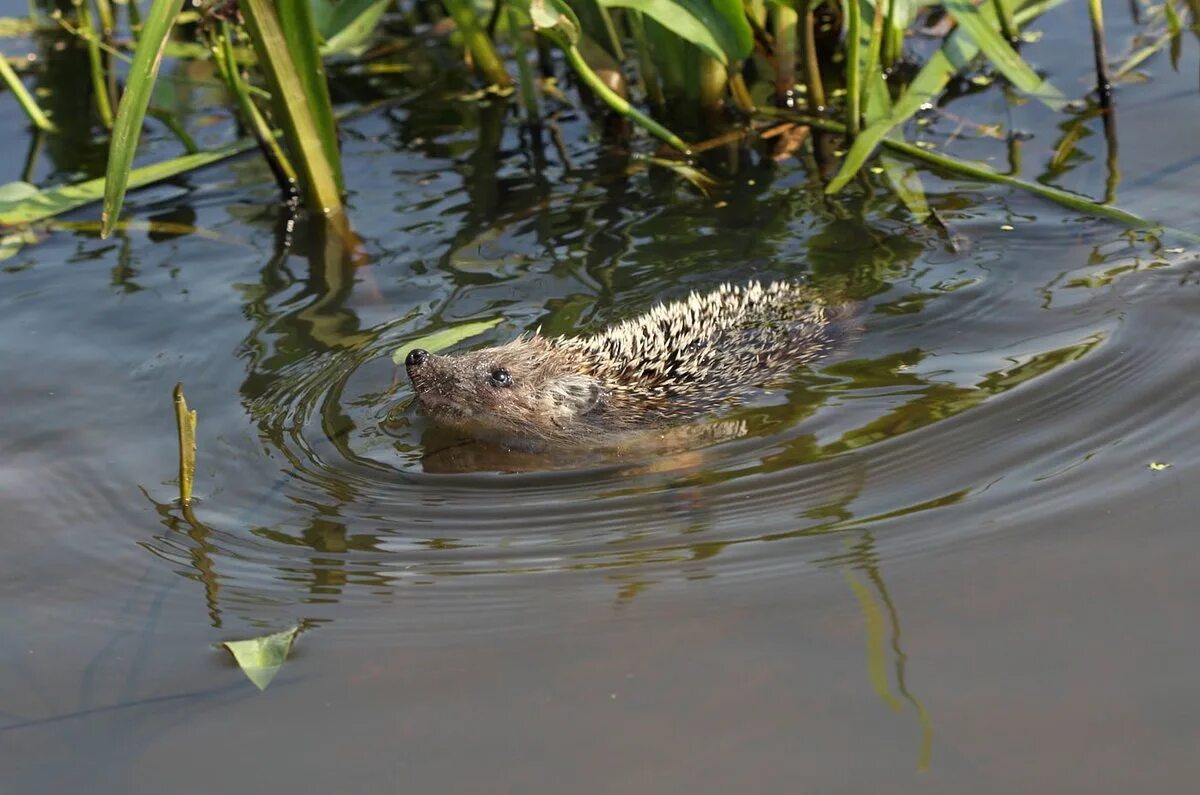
(16, 192)
(332, 16)
(984, 29)
(64, 198)
(261, 658)
(440, 340)
(947, 61)
(719, 27)
(352, 35)
(127, 127)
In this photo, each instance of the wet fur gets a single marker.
(679, 361)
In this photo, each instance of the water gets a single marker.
(940, 561)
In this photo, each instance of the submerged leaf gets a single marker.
(261, 658)
(440, 340)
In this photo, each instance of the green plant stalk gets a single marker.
(302, 131)
(185, 425)
(1008, 25)
(303, 44)
(487, 61)
(812, 67)
(127, 127)
(977, 172)
(24, 98)
(784, 19)
(871, 70)
(740, 93)
(1103, 82)
(135, 18)
(614, 41)
(227, 63)
(96, 63)
(711, 79)
(893, 39)
(108, 23)
(618, 104)
(529, 97)
(646, 67)
(853, 77)
(932, 79)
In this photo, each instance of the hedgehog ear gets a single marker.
(578, 392)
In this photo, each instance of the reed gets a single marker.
(708, 63)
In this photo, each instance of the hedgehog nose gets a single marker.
(416, 357)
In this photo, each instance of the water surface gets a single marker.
(941, 561)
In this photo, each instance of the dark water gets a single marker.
(940, 562)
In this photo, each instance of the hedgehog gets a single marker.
(676, 363)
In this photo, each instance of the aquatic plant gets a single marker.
(718, 70)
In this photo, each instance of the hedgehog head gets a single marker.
(529, 388)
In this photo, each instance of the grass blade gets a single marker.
(947, 61)
(984, 30)
(127, 127)
(286, 46)
(64, 198)
(24, 98)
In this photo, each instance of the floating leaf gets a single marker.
(1159, 466)
(440, 340)
(261, 658)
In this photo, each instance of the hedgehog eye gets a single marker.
(500, 377)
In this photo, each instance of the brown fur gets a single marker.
(677, 362)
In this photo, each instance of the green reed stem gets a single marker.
(893, 37)
(973, 171)
(487, 61)
(104, 103)
(529, 97)
(619, 103)
(268, 141)
(1008, 23)
(812, 67)
(24, 98)
(649, 72)
(784, 20)
(853, 76)
(1103, 82)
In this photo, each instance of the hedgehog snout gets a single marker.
(416, 357)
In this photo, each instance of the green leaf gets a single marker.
(719, 27)
(127, 127)
(556, 20)
(349, 35)
(947, 61)
(261, 658)
(286, 43)
(38, 206)
(984, 29)
(440, 340)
